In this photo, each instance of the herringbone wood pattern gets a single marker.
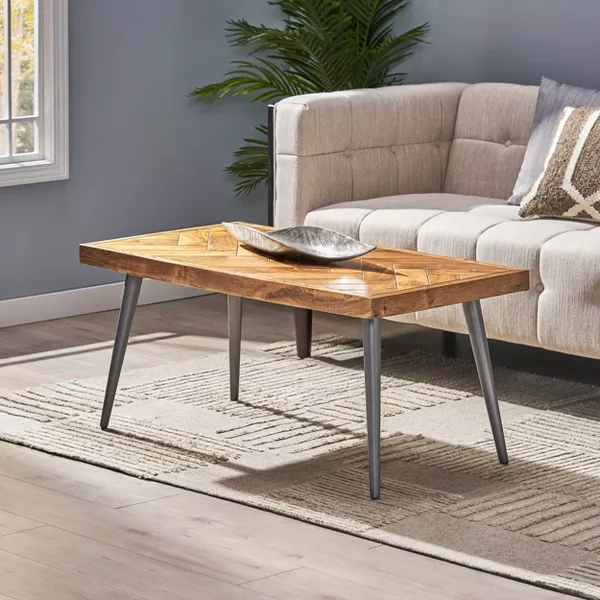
(383, 283)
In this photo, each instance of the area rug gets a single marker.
(295, 444)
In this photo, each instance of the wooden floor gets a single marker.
(74, 531)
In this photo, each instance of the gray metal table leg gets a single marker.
(481, 352)
(303, 322)
(234, 317)
(372, 347)
(128, 306)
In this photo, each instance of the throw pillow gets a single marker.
(553, 98)
(569, 186)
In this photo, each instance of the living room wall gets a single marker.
(143, 157)
(508, 40)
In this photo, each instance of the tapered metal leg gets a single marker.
(234, 310)
(128, 306)
(303, 322)
(481, 352)
(372, 346)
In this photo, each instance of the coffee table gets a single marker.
(384, 283)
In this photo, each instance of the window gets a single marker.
(33, 91)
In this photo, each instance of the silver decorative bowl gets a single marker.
(314, 243)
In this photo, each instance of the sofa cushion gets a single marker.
(456, 235)
(569, 185)
(553, 98)
(514, 318)
(505, 211)
(359, 144)
(561, 256)
(378, 221)
(492, 130)
(569, 307)
(487, 235)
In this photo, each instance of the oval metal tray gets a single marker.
(314, 243)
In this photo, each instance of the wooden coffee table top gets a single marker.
(383, 283)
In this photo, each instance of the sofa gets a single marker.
(430, 167)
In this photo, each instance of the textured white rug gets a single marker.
(295, 444)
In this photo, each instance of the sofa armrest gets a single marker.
(361, 144)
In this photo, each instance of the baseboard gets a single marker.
(83, 301)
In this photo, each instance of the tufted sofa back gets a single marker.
(493, 124)
(414, 139)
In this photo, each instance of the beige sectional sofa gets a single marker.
(430, 167)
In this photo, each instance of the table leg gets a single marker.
(128, 306)
(372, 347)
(481, 352)
(234, 317)
(303, 322)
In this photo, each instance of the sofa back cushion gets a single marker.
(361, 144)
(493, 126)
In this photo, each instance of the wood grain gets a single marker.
(22, 579)
(184, 511)
(10, 523)
(232, 559)
(304, 583)
(385, 283)
(380, 568)
(101, 486)
(120, 569)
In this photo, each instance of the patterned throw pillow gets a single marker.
(553, 98)
(569, 186)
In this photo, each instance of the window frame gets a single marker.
(52, 161)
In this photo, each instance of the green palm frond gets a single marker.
(252, 162)
(374, 18)
(270, 80)
(240, 33)
(319, 16)
(377, 68)
(323, 46)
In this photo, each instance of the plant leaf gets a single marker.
(323, 46)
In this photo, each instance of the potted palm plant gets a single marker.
(322, 46)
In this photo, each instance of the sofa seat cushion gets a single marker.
(569, 308)
(360, 218)
(561, 256)
(489, 236)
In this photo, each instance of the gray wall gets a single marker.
(144, 158)
(508, 40)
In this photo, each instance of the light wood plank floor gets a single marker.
(73, 531)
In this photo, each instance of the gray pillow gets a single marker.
(553, 98)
